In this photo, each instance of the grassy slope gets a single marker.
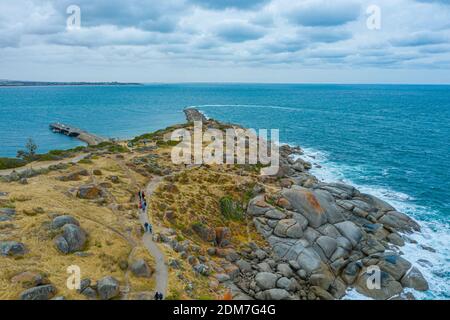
(193, 194)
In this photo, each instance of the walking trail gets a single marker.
(161, 271)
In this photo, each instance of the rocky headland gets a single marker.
(225, 231)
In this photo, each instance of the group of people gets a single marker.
(143, 206)
(148, 228)
(142, 200)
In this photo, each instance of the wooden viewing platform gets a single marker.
(89, 138)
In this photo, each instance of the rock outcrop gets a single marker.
(45, 292)
(73, 239)
(108, 288)
(29, 279)
(7, 214)
(12, 248)
(141, 269)
(331, 236)
(89, 192)
(193, 114)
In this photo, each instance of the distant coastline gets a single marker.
(19, 83)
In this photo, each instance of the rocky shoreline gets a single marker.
(324, 239)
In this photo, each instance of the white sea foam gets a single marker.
(433, 265)
(248, 106)
(352, 294)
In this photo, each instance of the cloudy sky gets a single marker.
(227, 41)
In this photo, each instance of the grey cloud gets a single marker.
(436, 49)
(435, 1)
(327, 35)
(324, 13)
(238, 32)
(313, 33)
(9, 40)
(112, 36)
(159, 16)
(284, 46)
(420, 39)
(223, 4)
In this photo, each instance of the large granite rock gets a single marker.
(289, 228)
(350, 231)
(89, 192)
(244, 266)
(45, 292)
(204, 232)
(399, 221)
(414, 279)
(327, 244)
(389, 287)
(395, 265)
(266, 280)
(309, 260)
(108, 288)
(12, 248)
(273, 294)
(6, 214)
(285, 270)
(73, 239)
(29, 279)
(317, 206)
(141, 269)
(61, 221)
(376, 202)
(258, 207)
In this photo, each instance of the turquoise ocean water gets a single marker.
(389, 140)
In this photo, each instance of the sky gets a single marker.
(264, 41)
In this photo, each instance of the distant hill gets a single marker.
(19, 83)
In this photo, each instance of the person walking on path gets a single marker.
(144, 205)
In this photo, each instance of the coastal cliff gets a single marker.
(224, 231)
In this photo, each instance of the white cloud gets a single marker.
(207, 34)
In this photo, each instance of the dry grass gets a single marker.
(109, 230)
(193, 194)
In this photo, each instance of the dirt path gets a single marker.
(43, 165)
(161, 270)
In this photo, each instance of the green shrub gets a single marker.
(174, 295)
(11, 163)
(230, 209)
(168, 143)
(147, 136)
(85, 161)
(197, 225)
(117, 148)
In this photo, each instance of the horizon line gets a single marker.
(227, 82)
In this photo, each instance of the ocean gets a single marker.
(392, 141)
